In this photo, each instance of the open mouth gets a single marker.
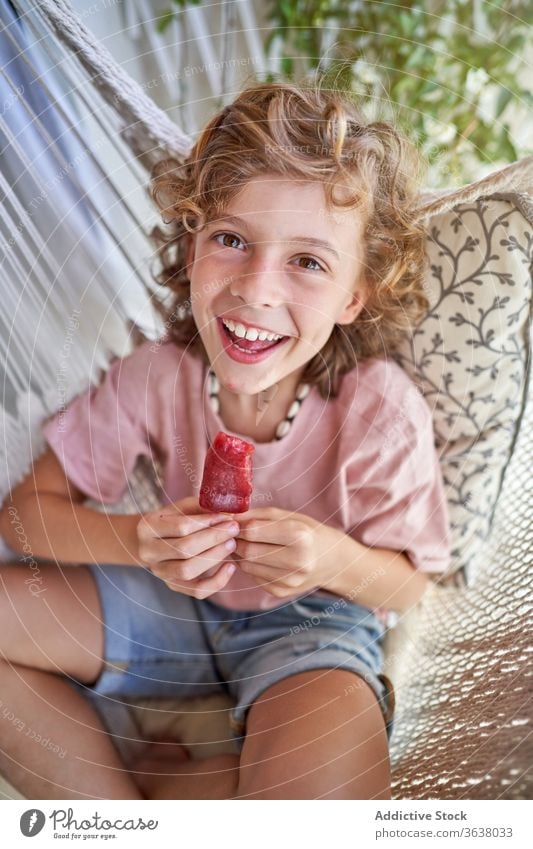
(253, 349)
(249, 344)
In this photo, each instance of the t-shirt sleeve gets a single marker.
(398, 500)
(100, 434)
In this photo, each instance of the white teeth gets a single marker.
(251, 333)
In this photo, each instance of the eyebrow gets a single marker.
(306, 240)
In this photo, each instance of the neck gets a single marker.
(258, 416)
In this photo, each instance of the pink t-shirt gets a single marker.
(364, 462)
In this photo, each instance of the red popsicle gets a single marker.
(227, 479)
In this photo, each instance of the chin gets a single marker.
(241, 387)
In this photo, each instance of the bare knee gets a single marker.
(317, 734)
(51, 619)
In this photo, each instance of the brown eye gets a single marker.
(318, 267)
(227, 238)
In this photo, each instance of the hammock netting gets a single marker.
(75, 284)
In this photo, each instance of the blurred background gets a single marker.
(456, 74)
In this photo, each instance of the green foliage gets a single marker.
(166, 17)
(446, 70)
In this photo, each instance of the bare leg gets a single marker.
(52, 743)
(61, 750)
(316, 735)
(164, 777)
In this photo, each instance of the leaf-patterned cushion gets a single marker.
(469, 356)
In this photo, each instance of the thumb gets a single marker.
(183, 506)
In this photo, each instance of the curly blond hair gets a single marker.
(303, 131)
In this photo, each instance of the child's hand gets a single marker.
(287, 553)
(181, 542)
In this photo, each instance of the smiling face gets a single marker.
(278, 260)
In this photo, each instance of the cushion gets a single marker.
(469, 356)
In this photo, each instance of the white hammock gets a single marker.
(79, 273)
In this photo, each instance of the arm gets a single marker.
(376, 577)
(43, 517)
(290, 553)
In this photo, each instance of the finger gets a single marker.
(271, 583)
(168, 525)
(278, 532)
(266, 573)
(272, 513)
(263, 553)
(183, 507)
(189, 570)
(192, 505)
(261, 531)
(204, 587)
(185, 548)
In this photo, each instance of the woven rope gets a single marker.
(462, 666)
(149, 130)
(514, 179)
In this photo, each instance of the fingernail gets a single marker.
(230, 527)
(230, 544)
(232, 569)
(222, 519)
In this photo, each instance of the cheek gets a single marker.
(202, 291)
(206, 285)
(200, 310)
(316, 322)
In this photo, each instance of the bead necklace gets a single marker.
(284, 426)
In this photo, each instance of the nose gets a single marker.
(259, 283)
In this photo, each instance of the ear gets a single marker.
(354, 306)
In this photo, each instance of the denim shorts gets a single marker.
(159, 643)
